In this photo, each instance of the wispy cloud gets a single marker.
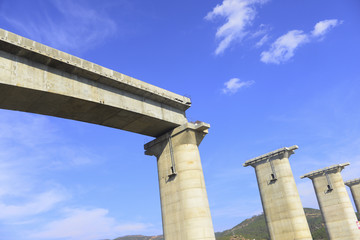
(69, 26)
(37, 204)
(80, 224)
(22, 197)
(262, 41)
(235, 84)
(239, 15)
(323, 27)
(284, 47)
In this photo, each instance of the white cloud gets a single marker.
(234, 84)
(22, 195)
(79, 224)
(323, 27)
(262, 41)
(239, 15)
(72, 26)
(37, 204)
(262, 30)
(284, 47)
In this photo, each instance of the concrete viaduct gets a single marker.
(39, 79)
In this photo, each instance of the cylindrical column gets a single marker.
(334, 201)
(284, 213)
(355, 191)
(184, 203)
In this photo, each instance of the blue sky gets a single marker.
(264, 73)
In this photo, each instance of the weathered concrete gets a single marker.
(355, 191)
(334, 201)
(39, 79)
(284, 213)
(184, 202)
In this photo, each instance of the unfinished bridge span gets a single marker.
(39, 79)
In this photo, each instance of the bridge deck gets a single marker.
(39, 79)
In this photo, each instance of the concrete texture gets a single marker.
(284, 213)
(334, 201)
(184, 202)
(39, 79)
(355, 191)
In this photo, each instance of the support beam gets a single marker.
(334, 201)
(284, 213)
(39, 79)
(354, 186)
(184, 203)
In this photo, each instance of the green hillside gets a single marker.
(255, 228)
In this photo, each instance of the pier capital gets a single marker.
(352, 182)
(195, 133)
(332, 169)
(279, 153)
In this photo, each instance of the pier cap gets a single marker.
(270, 155)
(198, 126)
(352, 182)
(332, 169)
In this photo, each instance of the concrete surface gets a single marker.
(184, 203)
(334, 201)
(39, 79)
(355, 191)
(284, 213)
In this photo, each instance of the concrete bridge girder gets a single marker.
(38, 79)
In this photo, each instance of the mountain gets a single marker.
(255, 228)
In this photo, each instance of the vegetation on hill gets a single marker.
(255, 228)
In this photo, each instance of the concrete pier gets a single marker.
(355, 191)
(184, 203)
(334, 201)
(284, 213)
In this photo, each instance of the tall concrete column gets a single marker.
(184, 203)
(284, 213)
(355, 191)
(334, 201)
